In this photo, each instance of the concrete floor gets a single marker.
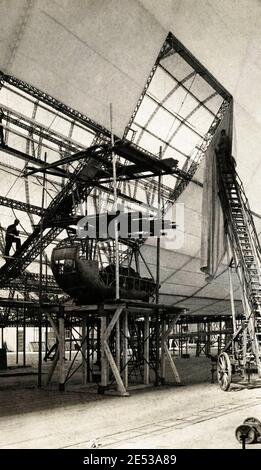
(197, 415)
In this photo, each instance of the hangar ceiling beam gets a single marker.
(20, 206)
(173, 45)
(54, 103)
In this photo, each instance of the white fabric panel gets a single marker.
(87, 54)
(212, 230)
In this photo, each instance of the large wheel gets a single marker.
(224, 371)
(245, 432)
(252, 421)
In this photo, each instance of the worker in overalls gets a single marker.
(12, 236)
(224, 149)
(224, 144)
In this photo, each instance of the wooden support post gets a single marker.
(208, 347)
(163, 356)
(125, 349)
(61, 353)
(24, 339)
(84, 352)
(118, 345)
(104, 362)
(94, 346)
(157, 317)
(106, 352)
(53, 367)
(146, 350)
(220, 338)
(99, 342)
(198, 340)
(120, 386)
(41, 283)
(167, 351)
(56, 357)
(244, 352)
(17, 336)
(113, 321)
(89, 347)
(46, 335)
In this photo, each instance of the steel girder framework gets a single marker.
(21, 206)
(39, 136)
(173, 47)
(54, 103)
(37, 240)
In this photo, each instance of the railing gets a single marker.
(129, 282)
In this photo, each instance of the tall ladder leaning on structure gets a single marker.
(242, 354)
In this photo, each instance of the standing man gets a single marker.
(12, 237)
(224, 144)
(224, 150)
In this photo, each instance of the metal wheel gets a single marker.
(244, 431)
(224, 371)
(252, 421)
(255, 424)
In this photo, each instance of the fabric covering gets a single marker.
(212, 222)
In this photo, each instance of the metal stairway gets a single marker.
(246, 251)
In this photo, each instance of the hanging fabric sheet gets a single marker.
(212, 224)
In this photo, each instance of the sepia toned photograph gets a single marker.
(130, 228)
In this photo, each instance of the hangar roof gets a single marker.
(90, 54)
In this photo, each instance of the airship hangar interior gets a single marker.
(130, 258)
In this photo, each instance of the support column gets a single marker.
(125, 349)
(84, 352)
(61, 347)
(104, 362)
(24, 339)
(244, 359)
(46, 335)
(198, 340)
(89, 347)
(71, 339)
(118, 345)
(146, 350)
(163, 355)
(106, 349)
(17, 331)
(208, 338)
(165, 337)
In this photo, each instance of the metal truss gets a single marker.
(54, 103)
(29, 250)
(173, 46)
(29, 282)
(144, 91)
(72, 194)
(20, 206)
(75, 190)
(191, 170)
(26, 123)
